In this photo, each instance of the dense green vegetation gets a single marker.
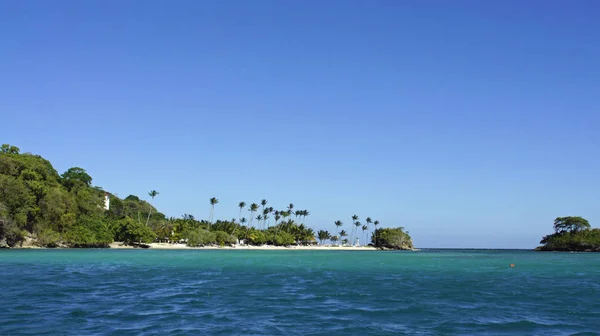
(392, 238)
(40, 206)
(571, 234)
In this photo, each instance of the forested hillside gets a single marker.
(51, 208)
(42, 207)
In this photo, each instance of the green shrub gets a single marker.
(223, 238)
(89, 232)
(283, 239)
(48, 238)
(200, 237)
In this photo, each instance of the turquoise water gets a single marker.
(224, 292)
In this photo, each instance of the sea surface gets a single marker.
(240, 292)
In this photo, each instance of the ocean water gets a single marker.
(225, 292)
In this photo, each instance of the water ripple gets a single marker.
(104, 292)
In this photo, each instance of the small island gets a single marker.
(571, 234)
(41, 208)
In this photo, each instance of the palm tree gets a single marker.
(265, 216)
(253, 208)
(242, 205)
(290, 209)
(298, 214)
(263, 202)
(270, 212)
(152, 193)
(243, 221)
(356, 225)
(258, 219)
(354, 219)
(323, 235)
(304, 214)
(284, 214)
(277, 217)
(338, 224)
(369, 221)
(342, 235)
(364, 228)
(376, 222)
(213, 201)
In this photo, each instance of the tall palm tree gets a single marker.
(265, 216)
(304, 214)
(242, 221)
(263, 202)
(152, 193)
(354, 220)
(290, 209)
(213, 202)
(323, 235)
(369, 221)
(258, 219)
(298, 214)
(271, 210)
(253, 209)
(277, 217)
(342, 235)
(357, 225)
(338, 224)
(376, 222)
(285, 214)
(364, 229)
(242, 205)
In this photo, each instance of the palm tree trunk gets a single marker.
(148, 219)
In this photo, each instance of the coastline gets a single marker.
(167, 246)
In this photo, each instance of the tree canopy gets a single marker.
(571, 234)
(570, 224)
(392, 238)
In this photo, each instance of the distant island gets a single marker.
(39, 207)
(571, 234)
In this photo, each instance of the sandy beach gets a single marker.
(166, 246)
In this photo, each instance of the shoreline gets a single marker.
(167, 246)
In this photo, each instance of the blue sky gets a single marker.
(471, 123)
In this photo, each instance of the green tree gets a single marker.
(364, 229)
(392, 238)
(357, 225)
(152, 194)
(242, 205)
(8, 149)
(200, 237)
(213, 202)
(338, 225)
(253, 209)
(242, 221)
(369, 222)
(342, 235)
(571, 224)
(48, 238)
(75, 175)
(354, 220)
(323, 235)
(571, 234)
(376, 222)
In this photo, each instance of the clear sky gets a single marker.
(471, 123)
